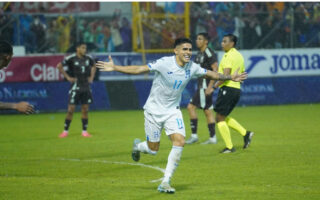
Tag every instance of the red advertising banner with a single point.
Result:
(32, 69)
(54, 7)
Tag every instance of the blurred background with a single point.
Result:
(279, 40)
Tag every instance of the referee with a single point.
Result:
(229, 94)
(203, 96)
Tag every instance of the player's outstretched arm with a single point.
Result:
(23, 107)
(234, 77)
(131, 69)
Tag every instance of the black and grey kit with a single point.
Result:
(79, 68)
(205, 59)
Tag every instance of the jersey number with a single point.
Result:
(177, 84)
(83, 69)
(180, 123)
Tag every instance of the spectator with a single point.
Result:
(6, 27)
(126, 34)
(64, 29)
(115, 34)
(39, 31)
(52, 37)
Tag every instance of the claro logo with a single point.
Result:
(45, 73)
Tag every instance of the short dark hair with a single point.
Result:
(232, 37)
(5, 48)
(205, 35)
(179, 41)
(79, 43)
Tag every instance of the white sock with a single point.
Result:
(143, 147)
(194, 135)
(173, 162)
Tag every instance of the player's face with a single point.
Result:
(82, 49)
(4, 61)
(226, 44)
(183, 53)
(201, 41)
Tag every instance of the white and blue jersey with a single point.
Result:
(169, 83)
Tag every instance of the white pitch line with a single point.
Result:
(120, 163)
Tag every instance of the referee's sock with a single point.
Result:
(225, 133)
(232, 123)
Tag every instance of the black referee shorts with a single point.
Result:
(228, 98)
(79, 97)
(202, 101)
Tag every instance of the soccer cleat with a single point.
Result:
(192, 140)
(86, 134)
(165, 187)
(227, 150)
(135, 152)
(247, 139)
(210, 141)
(63, 134)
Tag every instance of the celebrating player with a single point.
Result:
(6, 53)
(81, 71)
(162, 109)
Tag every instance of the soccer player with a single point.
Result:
(6, 53)
(203, 96)
(229, 94)
(81, 70)
(162, 109)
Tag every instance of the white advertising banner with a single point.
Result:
(281, 62)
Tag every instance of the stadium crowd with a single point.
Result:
(260, 25)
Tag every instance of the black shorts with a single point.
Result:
(201, 100)
(80, 97)
(228, 98)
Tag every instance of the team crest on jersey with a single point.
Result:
(76, 63)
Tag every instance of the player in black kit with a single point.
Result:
(203, 96)
(80, 73)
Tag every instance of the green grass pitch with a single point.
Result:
(281, 163)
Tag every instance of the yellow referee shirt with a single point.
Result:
(234, 60)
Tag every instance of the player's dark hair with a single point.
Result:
(204, 35)
(79, 43)
(232, 38)
(5, 48)
(179, 41)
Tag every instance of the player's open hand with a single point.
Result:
(106, 66)
(239, 77)
(24, 107)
